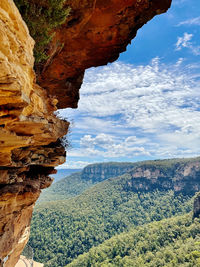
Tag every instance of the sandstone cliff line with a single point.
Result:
(29, 131)
(95, 33)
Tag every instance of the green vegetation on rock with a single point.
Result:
(197, 205)
(78, 182)
(42, 17)
(95, 173)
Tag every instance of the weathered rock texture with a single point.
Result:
(95, 33)
(28, 134)
(197, 206)
(103, 171)
(178, 175)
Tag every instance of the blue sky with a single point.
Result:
(145, 105)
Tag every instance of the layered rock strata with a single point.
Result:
(103, 171)
(29, 134)
(182, 177)
(94, 34)
(179, 175)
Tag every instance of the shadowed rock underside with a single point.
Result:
(94, 34)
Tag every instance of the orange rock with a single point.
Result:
(29, 131)
(94, 34)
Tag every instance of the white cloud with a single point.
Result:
(110, 146)
(190, 22)
(185, 42)
(101, 140)
(179, 2)
(128, 111)
(73, 164)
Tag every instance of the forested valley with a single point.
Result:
(170, 242)
(112, 222)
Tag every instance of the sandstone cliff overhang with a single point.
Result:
(94, 34)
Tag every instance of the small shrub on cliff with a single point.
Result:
(42, 17)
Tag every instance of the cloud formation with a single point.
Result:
(185, 42)
(190, 22)
(73, 164)
(129, 112)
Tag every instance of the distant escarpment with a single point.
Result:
(78, 182)
(180, 175)
(30, 147)
(103, 171)
(149, 191)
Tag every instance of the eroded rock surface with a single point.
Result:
(94, 34)
(29, 131)
(197, 206)
(180, 176)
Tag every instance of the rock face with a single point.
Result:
(95, 33)
(178, 175)
(29, 131)
(102, 171)
(197, 206)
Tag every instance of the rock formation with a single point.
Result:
(103, 171)
(29, 131)
(30, 147)
(178, 175)
(93, 35)
(197, 206)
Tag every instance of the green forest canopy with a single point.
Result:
(62, 230)
(170, 242)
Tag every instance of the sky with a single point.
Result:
(146, 105)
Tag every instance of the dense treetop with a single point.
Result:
(62, 230)
(90, 211)
(170, 242)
